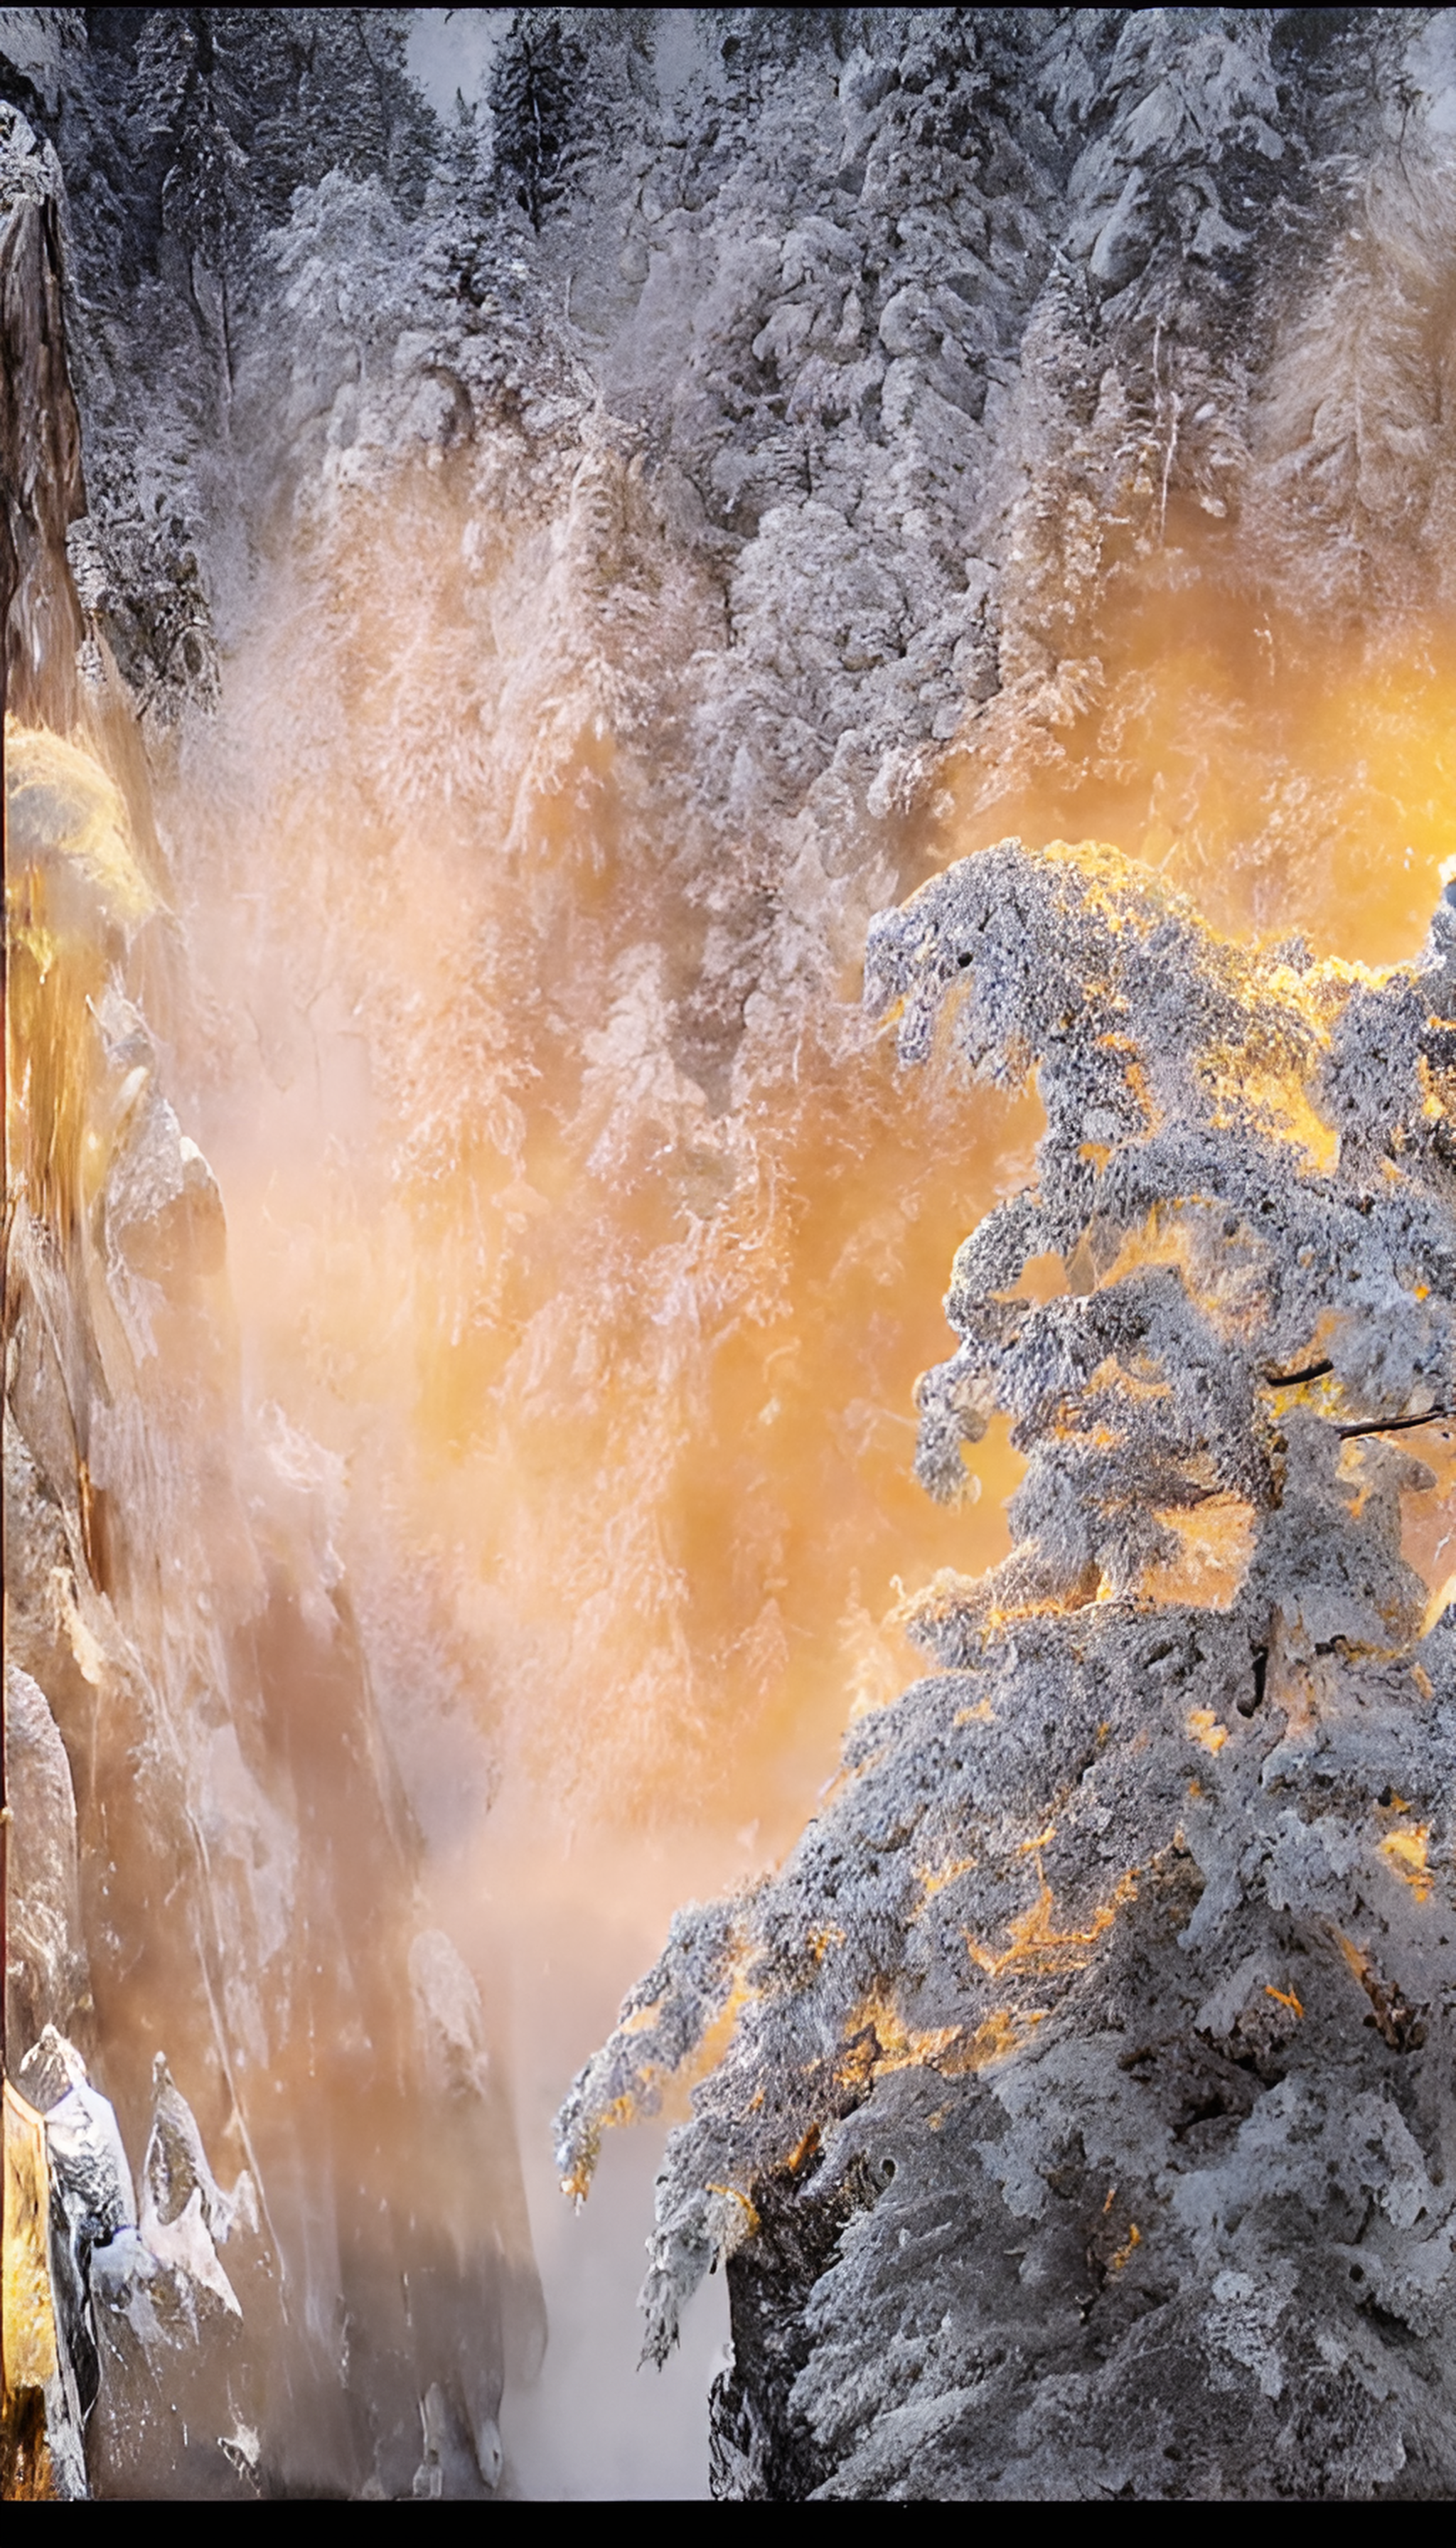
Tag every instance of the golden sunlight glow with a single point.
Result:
(1037, 1946)
(626, 1379)
(1216, 1549)
(623, 1383)
(1287, 777)
(614, 1355)
(1205, 1728)
(1405, 1849)
(878, 2040)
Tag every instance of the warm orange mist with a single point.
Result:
(1428, 1511)
(625, 1385)
(1288, 777)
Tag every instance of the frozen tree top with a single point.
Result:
(1084, 2111)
